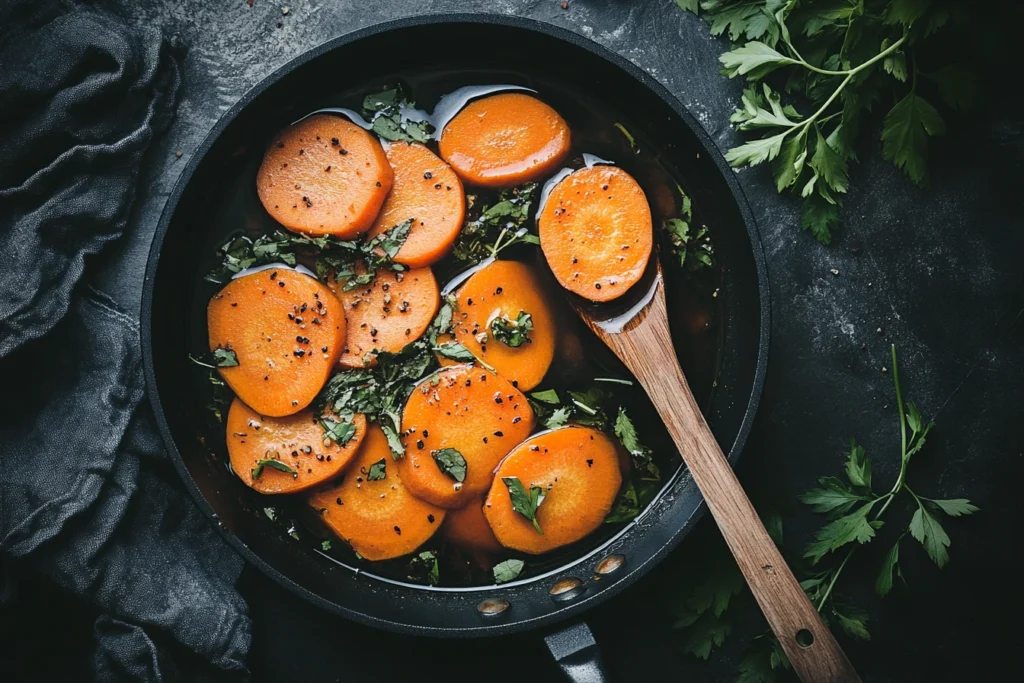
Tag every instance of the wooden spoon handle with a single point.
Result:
(776, 589)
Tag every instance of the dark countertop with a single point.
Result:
(938, 271)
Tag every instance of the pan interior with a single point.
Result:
(216, 198)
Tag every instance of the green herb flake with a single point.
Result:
(274, 463)
(451, 463)
(377, 471)
(225, 358)
(506, 571)
(325, 545)
(392, 118)
(513, 333)
(423, 568)
(525, 502)
(339, 431)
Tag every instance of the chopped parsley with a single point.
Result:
(510, 332)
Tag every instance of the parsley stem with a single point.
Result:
(899, 407)
(849, 72)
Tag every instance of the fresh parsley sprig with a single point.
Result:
(854, 514)
(834, 61)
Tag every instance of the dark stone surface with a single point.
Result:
(938, 271)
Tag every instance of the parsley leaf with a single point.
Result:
(454, 351)
(377, 471)
(558, 418)
(846, 529)
(273, 463)
(508, 570)
(927, 530)
(393, 117)
(225, 358)
(451, 463)
(338, 431)
(547, 396)
(325, 545)
(954, 507)
(513, 333)
(834, 498)
(641, 455)
(496, 227)
(905, 135)
(423, 568)
(525, 502)
(890, 564)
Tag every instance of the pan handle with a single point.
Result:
(576, 651)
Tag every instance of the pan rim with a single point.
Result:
(764, 309)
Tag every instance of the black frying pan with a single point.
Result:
(210, 201)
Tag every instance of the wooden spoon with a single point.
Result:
(640, 337)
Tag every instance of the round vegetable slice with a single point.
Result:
(468, 528)
(575, 469)
(324, 176)
(505, 140)
(394, 309)
(595, 232)
(292, 453)
(277, 334)
(427, 190)
(371, 509)
(503, 319)
(470, 411)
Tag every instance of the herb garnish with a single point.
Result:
(389, 112)
(692, 246)
(506, 571)
(450, 462)
(497, 226)
(854, 512)
(841, 59)
(640, 454)
(274, 463)
(525, 502)
(339, 431)
(325, 545)
(591, 407)
(380, 392)
(225, 358)
(377, 471)
(510, 332)
(241, 253)
(423, 568)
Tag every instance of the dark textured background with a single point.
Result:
(938, 271)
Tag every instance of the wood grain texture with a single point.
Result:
(645, 346)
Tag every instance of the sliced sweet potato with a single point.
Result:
(371, 509)
(324, 176)
(286, 331)
(296, 441)
(427, 190)
(468, 528)
(471, 410)
(504, 140)
(576, 468)
(595, 231)
(493, 299)
(396, 308)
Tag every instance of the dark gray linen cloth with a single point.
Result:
(88, 498)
